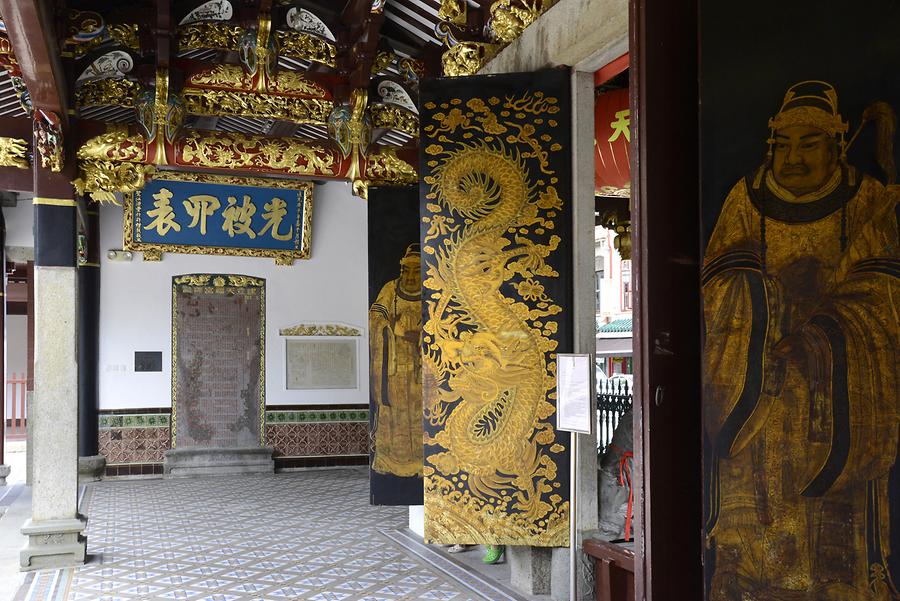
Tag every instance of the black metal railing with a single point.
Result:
(614, 398)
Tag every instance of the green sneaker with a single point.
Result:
(494, 553)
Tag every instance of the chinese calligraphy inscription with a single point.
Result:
(191, 213)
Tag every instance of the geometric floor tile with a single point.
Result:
(295, 536)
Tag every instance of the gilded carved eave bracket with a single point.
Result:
(614, 213)
(121, 160)
(506, 21)
(227, 36)
(391, 116)
(225, 90)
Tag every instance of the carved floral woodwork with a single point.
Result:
(112, 162)
(509, 18)
(203, 35)
(393, 117)
(303, 46)
(120, 92)
(48, 140)
(465, 54)
(262, 106)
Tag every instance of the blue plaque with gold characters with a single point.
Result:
(220, 215)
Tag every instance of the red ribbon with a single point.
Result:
(625, 475)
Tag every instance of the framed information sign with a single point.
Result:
(220, 215)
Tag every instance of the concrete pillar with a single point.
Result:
(584, 331)
(29, 370)
(4, 468)
(55, 529)
(529, 569)
(90, 464)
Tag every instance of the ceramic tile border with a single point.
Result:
(142, 418)
(298, 416)
(135, 420)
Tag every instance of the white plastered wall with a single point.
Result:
(331, 286)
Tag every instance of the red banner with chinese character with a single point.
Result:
(612, 139)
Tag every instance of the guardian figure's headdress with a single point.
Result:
(812, 103)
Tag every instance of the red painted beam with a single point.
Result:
(34, 41)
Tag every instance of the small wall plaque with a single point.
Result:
(147, 360)
(320, 364)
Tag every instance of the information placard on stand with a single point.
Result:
(573, 393)
(573, 414)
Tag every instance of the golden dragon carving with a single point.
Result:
(489, 331)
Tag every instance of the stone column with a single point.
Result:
(584, 323)
(4, 468)
(55, 529)
(90, 463)
(29, 371)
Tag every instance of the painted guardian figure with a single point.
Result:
(801, 303)
(395, 324)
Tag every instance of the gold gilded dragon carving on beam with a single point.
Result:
(224, 150)
(112, 162)
(234, 77)
(248, 104)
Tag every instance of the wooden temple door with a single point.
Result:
(496, 219)
(666, 263)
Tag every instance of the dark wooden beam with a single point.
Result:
(163, 33)
(16, 127)
(16, 180)
(364, 27)
(34, 41)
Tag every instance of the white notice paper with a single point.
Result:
(573, 393)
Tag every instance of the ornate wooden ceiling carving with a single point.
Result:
(330, 84)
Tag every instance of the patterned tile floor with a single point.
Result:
(298, 536)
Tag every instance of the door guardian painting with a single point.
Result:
(395, 356)
(801, 289)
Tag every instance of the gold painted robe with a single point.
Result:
(395, 322)
(801, 304)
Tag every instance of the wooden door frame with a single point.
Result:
(667, 315)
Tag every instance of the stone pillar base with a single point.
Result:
(91, 469)
(218, 461)
(52, 544)
(560, 567)
(529, 569)
(4, 471)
